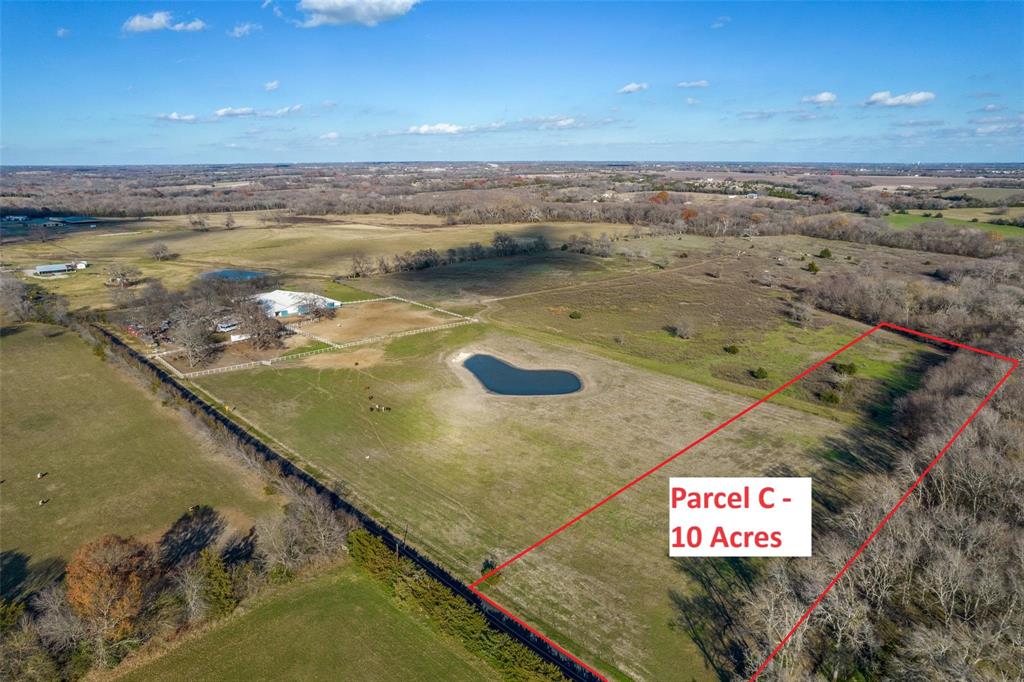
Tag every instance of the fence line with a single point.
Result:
(331, 348)
(257, 447)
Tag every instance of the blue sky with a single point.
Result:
(380, 80)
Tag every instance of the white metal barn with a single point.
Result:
(281, 303)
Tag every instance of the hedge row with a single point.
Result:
(413, 587)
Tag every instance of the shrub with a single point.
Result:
(732, 350)
(575, 315)
(681, 329)
(800, 313)
(218, 588)
(373, 555)
(825, 253)
(451, 614)
(813, 268)
(829, 397)
(759, 373)
(10, 615)
(280, 574)
(847, 368)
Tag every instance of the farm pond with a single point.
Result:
(500, 377)
(234, 274)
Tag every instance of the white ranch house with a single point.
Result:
(281, 303)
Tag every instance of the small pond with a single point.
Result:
(232, 274)
(500, 377)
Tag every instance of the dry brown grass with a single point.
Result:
(378, 318)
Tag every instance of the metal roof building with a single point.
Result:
(281, 303)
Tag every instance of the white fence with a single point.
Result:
(329, 349)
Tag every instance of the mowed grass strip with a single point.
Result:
(115, 460)
(338, 626)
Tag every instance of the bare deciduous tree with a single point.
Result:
(264, 331)
(160, 251)
(123, 275)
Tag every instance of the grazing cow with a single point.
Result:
(40, 474)
(42, 502)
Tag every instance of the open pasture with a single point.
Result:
(375, 318)
(903, 221)
(292, 246)
(351, 630)
(985, 193)
(114, 459)
(635, 319)
(473, 477)
(480, 282)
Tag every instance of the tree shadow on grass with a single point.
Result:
(240, 548)
(708, 614)
(20, 577)
(189, 535)
(717, 588)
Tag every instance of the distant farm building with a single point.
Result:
(59, 268)
(281, 303)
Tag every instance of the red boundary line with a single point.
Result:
(1014, 364)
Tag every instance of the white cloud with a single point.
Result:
(270, 86)
(63, 32)
(721, 22)
(365, 12)
(283, 111)
(328, 104)
(242, 30)
(554, 122)
(693, 84)
(232, 112)
(437, 129)
(992, 107)
(178, 118)
(160, 21)
(909, 99)
(995, 125)
(821, 99)
(243, 112)
(805, 116)
(690, 101)
(630, 88)
(757, 115)
(919, 123)
(330, 136)
(549, 123)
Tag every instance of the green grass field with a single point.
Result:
(338, 626)
(300, 248)
(903, 221)
(985, 193)
(476, 476)
(116, 461)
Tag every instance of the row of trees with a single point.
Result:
(940, 592)
(503, 244)
(414, 588)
